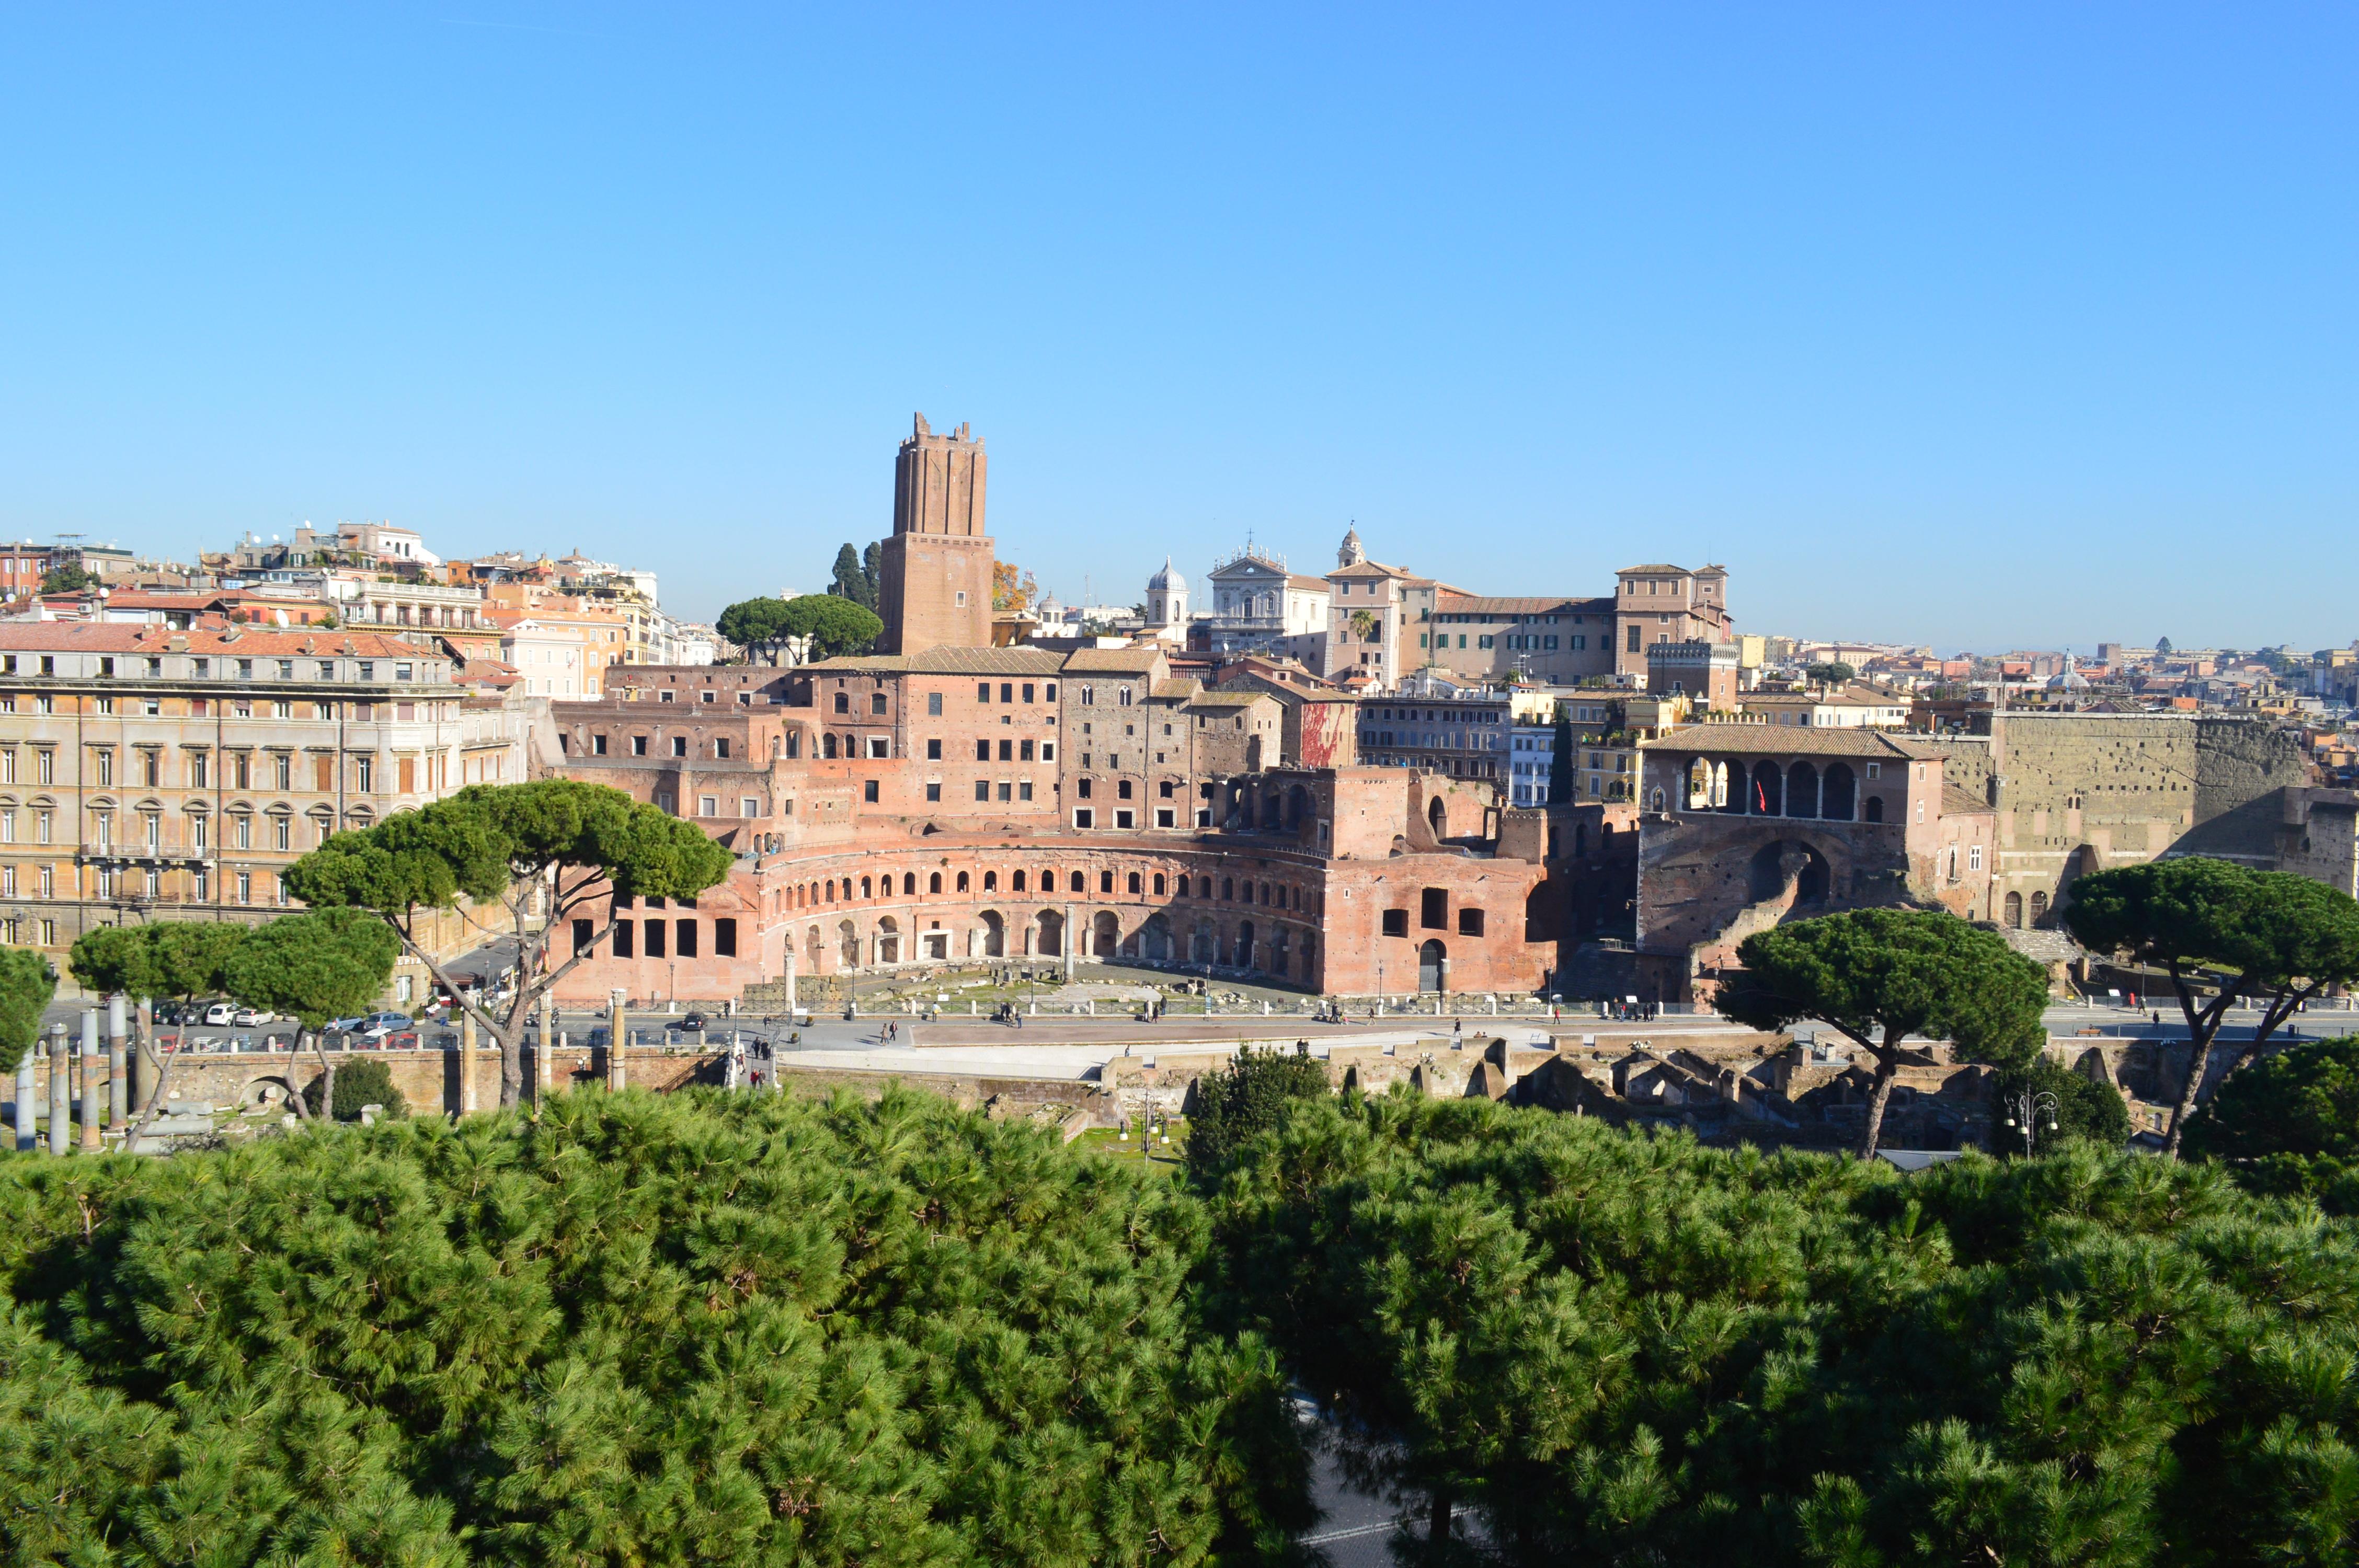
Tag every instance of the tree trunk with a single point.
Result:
(1438, 1513)
(327, 1076)
(511, 1067)
(1887, 1069)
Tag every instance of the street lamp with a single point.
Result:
(2026, 1110)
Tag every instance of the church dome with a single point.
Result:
(2068, 678)
(1167, 580)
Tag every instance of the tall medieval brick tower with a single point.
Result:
(934, 588)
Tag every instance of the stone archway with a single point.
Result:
(1242, 956)
(1437, 817)
(1433, 966)
(1155, 939)
(994, 935)
(1106, 934)
(1052, 934)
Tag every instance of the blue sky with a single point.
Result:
(1982, 325)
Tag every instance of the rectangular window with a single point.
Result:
(982, 691)
(626, 939)
(1024, 789)
(725, 938)
(933, 705)
(1082, 817)
(1004, 792)
(105, 760)
(749, 806)
(200, 830)
(1470, 923)
(1396, 923)
(983, 789)
(365, 768)
(868, 791)
(655, 935)
(933, 751)
(597, 745)
(1973, 856)
(638, 745)
(1163, 816)
(685, 946)
(1023, 752)
(709, 805)
(1027, 691)
(880, 746)
(933, 792)
(1433, 909)
(583, 932)
(1008, 751)
(680, 745)
(1047, 750)
(245, 887)
(983, 751)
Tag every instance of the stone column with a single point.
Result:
(145, 1063)
(544, 1048)
(790, 970)
(118, 1066)
(466, 1063)
(1072, 941)
(616, 1026)
(93, 1075)
(22, 1113)
(61, 1090)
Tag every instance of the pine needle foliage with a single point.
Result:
(1623, 1349)
(638, 1330)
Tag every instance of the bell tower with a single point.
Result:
(934, 582)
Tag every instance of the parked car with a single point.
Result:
(348, 1025)
(251, 1015)
(221, 1013)
(692, 1021)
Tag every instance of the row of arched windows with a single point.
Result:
(1768, 789)
(1137, 884)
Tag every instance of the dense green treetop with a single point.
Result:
(1248, 1096)
(27, 984)
(700, 1329)
(1880, 975)
(485, 838)
(1899, 971)
(324, 963)
(161, 958)
(2279, 938)
(2290, 1123)
(1625, 1348)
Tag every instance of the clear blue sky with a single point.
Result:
(1978, 325)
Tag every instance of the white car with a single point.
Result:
(246, 1015)
(221, 1013)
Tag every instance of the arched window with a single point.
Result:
(1159, 884)
(831, 889)
(2014, 907)
(1075, 883)
(1699, 784)
(1135, 887)
(843, 703)
(962, 881)
(865, 891)
(1801, 790)
(933, 881)
(1841, 790)
(991, 882)
(827, 743)
(1876, 808)
(909, 884)
(2039, 907)
(1105, 881)
(1015, 880)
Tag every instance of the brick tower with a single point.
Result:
(934, 589)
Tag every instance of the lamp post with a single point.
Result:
(2025, 1112)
